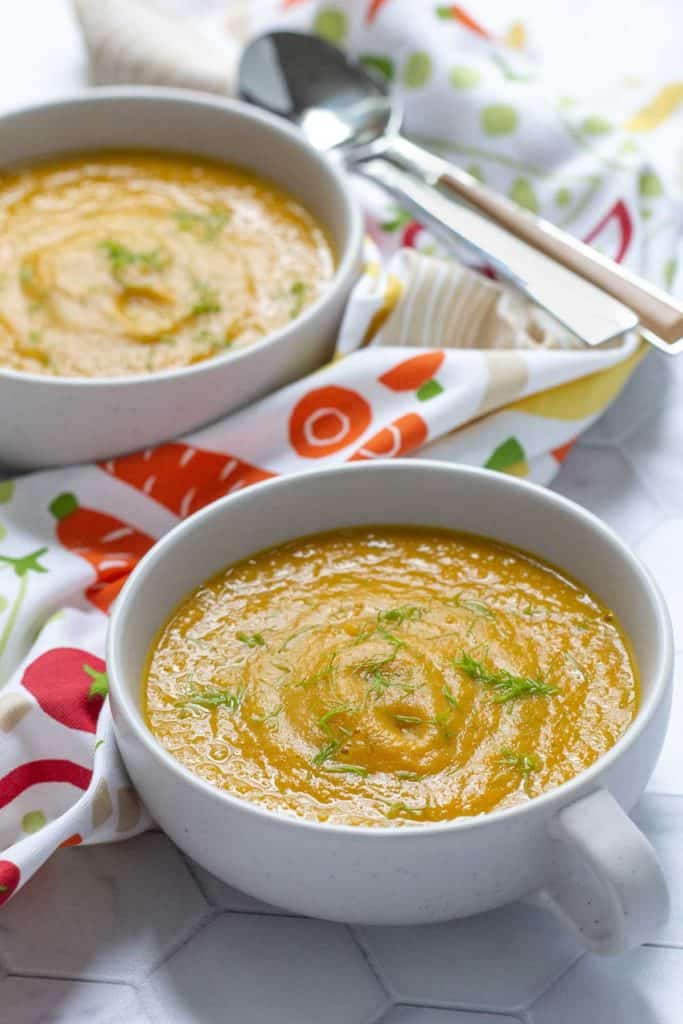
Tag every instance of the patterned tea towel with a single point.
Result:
(436, 359)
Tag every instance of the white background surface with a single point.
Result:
(132, 934)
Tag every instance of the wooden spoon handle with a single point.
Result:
(655, 309)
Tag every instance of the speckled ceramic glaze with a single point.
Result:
(573, 849)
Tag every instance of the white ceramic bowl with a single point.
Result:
(51, 420)
(574, 849)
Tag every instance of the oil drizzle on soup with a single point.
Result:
(390, 675)
(121, 263)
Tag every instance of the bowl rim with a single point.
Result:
(562, 795)
(345, 269)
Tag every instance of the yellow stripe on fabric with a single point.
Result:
(392, 293)
(578, 399)
(665, 103)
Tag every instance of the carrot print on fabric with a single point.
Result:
(454, 12)
(183, 478)
(412, 373)
(402, 436)
(70, 686)
(326, 420)
(561, 453)
(374, 7)
(112, 547)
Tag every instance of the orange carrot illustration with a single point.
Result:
(326, 420)
(373, 10)
(183, 478)
(454, 12)
(402, 436)
(112, 547)
(412, 373)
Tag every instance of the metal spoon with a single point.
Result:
(343, 109)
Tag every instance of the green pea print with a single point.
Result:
(522, 192)
(417, 69)
(378, 65)
(669, 273)
(499, 119)
(6, 491)
(563, 197)
(330, 23)
(650, 184)
(596, 125)
(33, 821)
(477, 171)
(430, 389)
(507, 454)
(463, 77)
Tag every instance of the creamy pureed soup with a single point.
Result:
(390, 675)
(121, 263)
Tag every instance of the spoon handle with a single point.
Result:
(581, 307)
(655, 309)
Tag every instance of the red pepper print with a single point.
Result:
(70, 686)
(619, 215)
(112, 547)
(9, 880)
(183, 478)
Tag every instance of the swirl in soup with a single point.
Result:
(390, 675)
(120, 263)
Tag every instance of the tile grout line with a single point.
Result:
(374, 968)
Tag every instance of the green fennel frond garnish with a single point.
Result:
(350, 769)
(450, 696)
(251, 639)
(327, 751)
(398, 808)
(121, 257)
(317, 677)
(409, 776)
(207, 299)
(411, 719)
(522, 763)
(298, 297)
(478, 607)
(269, 716)
(214, 699)
(324, 720)
(206, 226)
(397, 616)
(506, 685)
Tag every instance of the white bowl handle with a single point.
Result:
(619, 897)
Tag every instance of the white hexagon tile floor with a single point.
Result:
(133, 934)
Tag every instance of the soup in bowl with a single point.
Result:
(167, 257)
(400, 692)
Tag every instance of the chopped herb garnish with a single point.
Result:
(207, 299)
(522, 763)
(450, 696)
(478, 607)
(326, 752)
(298, 295)
(507, 685)
(214, 699)
(207, 226)
(26, 275)
(251, 639)
(351, 769)
(397, 616)
(269, 716)
(409, 776)
(411, 719)
(121, 257)
(396, 809)
(317, 677)
(324, 720)
(212, 340)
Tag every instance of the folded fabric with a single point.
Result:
(435, 360)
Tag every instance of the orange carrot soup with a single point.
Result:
(390, 675)
(121, 263)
